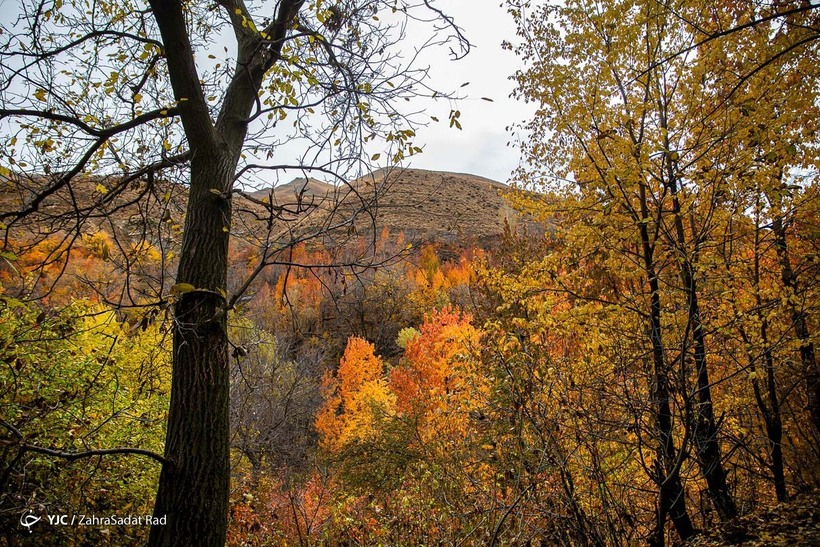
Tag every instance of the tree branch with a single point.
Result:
(193, 108)
(71, 456)
(66, 177)
(721, 34)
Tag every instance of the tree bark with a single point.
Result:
(671, 496)
(771, 412)
(705, 427)
(193, 491)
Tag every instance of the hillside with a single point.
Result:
(451, 208)
(424, 205)
(298, 186)
(439, 205)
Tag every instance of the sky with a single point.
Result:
(480, 148)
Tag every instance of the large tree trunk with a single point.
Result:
(194, 488)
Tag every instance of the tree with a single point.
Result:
(74, 379)
(126, 93)
(401, 446)
(355, 397)
(638, 133)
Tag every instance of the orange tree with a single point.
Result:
(404, 445)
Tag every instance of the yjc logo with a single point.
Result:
(28, 520)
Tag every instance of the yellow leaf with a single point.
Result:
(182, 288)
(40, 94)
(101, 189)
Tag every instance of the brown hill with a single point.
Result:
(424, 205)
(295, 188)
(438, 205)
(452, 208)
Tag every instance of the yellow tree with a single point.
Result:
(72, 380)
(638, 132)
(765, 79)
(769, 89)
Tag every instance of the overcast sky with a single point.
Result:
(481, 147)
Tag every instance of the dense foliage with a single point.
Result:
(76, 379)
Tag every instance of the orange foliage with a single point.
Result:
(437, 378)
(279, 513)
(355, 397)
(425, 373)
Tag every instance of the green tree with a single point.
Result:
(72, 380)
(132, 91)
